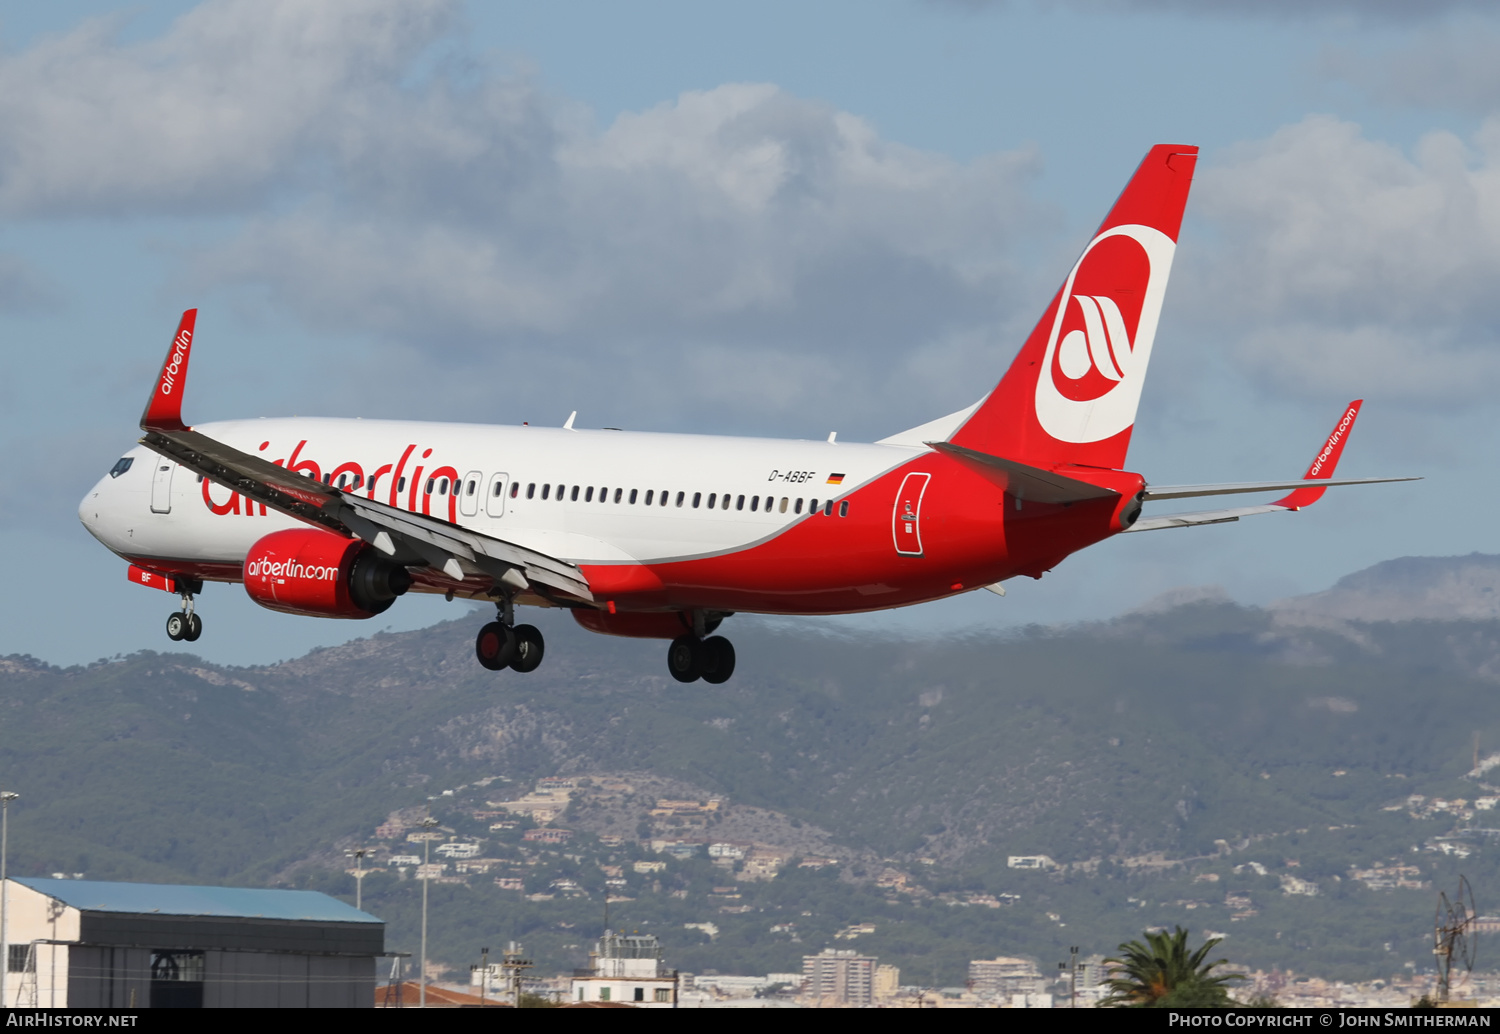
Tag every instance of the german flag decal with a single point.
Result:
(835, 479)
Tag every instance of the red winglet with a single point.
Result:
(164, 411)
(1326, 462)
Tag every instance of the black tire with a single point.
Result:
(685, 658)
(194, 629)
(495, 646)
(529, 649)
(718, 660)
(177, 626)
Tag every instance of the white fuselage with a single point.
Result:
(707, 495)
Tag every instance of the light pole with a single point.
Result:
(427, 825)
(6, 796)
(359, 876)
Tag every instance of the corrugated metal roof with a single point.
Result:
(173, 900)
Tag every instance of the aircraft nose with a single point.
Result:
(90, 507)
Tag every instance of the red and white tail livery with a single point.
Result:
(665, 535)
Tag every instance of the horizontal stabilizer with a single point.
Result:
(1243, 487)
(1022, 481)
(1191, 520)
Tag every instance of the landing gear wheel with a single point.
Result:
(716, 659)
(529, 649)
(685, 658)
(495, 646)
(194, 628)
(177, 626)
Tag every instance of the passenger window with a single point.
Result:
(574, 496)
(604, 495)
(680, 497)
(401, 485)
(712, 496)
(783, 504)
(327, 476)
(739, 502)
(121, 466)
(828, 508)
(663, 499)
(844, 508)
(359, 480)
(531, 491)
(588, 496)
(443, 487)
(618, 492)
(812, 506)
(754, 503)
(472, 486)
(515, 489)
(560, 490)
(795, 509)
(545, 490)
(648, 497)
(632, 497)
(430, 483)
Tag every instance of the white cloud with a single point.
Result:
(1340, 264)
(387, 183)
(237, 98)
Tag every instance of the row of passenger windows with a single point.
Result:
(651, 497)
(353, 482)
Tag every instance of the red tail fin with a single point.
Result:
(1070, 396)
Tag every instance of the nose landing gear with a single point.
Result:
(184, 625)
(503, 644)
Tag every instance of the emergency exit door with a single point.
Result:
(906, 521)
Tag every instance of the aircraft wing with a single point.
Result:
(1306, 491)
(409, 538)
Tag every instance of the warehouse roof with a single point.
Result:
(174, 900)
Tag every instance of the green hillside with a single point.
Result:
(1149, 757)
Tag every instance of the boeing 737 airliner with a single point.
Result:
(666, 535)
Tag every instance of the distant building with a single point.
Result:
(887, 981)
(626, 969)
(458, 850)
(1030, 861)
(839, 977)
(1006, 977)
(547, 836)
(95, 945)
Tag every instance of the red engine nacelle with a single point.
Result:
(319, 574)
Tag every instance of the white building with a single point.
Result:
(458, 850)
(627, 969)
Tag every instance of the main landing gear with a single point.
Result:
(503, 644)
(691, 658)
(184, 625)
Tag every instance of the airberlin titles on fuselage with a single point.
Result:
(449, 486)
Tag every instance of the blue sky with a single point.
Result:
(772, 218)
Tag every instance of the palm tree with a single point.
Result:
(1163, 972)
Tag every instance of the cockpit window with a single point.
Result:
(121, 466)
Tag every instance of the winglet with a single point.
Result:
(164, 410)
(1326, 461)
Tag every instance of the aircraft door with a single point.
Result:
(161, 485)
(494, 496)
(906, 521)
(468, 493)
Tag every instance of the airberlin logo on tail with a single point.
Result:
(1095, 364)
(1335, 443)
(174, 364)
